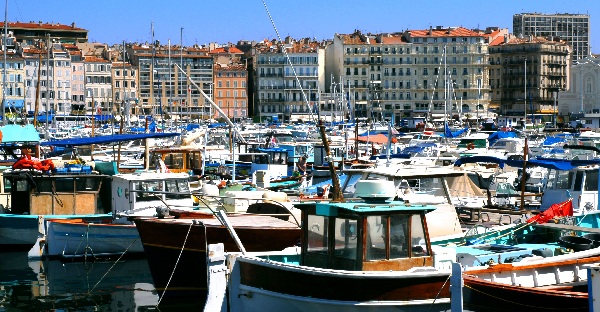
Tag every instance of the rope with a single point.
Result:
(112, 266)
(439, 292)
(176, 263)
(520, 304)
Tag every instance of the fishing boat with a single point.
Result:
(367, 255)
(131, 195)
(176, 248)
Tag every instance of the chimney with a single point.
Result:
(505, 38)
(430, 28)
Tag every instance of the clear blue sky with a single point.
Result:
(204, 21)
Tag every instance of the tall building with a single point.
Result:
(163, 87)
(573, 28)
(289, 76)
(525, 76)
(442, 71)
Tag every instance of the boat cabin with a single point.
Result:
(186, 159)
(138, 194)
(64, 193)
(580, 183)
(365, 236)
(274, 160)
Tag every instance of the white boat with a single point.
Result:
(355, 256)
(131, 195)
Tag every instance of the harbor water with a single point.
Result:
(92, 285)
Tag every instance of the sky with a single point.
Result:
(115, 21)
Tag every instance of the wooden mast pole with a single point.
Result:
(338, 197)
(37, 92)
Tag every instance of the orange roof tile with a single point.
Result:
(446, 32)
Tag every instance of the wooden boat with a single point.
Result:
(355, 256)
(131, 195)
(529, 287)
(176, 248)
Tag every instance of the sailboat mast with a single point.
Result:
(37, 91)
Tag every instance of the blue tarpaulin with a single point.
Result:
(16, 133)
(107, 139)
(500, 135)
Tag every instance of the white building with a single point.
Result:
(583, 95)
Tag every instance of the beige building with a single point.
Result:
(583, 94)
(525, 75)
(400, 75)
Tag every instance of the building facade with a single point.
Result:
(437, 72)
(163, 87)
(230, 91)
(525, 76)
(583, 95)
(288, 78)
(572, 28)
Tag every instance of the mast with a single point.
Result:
(37, 91)
(338, 197)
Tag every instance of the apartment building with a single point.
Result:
(163, 87)
(288, 78)
(230, 90)
(78, 100)
(98, 85)
(572, 28)
(13, 89)
(401, 75)
(526, 74)
(29, 33)
(124, 84)
(61, 84)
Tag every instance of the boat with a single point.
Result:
(176, 247)
(365, 255)
(131, 195)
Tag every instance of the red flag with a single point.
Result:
(557, 210)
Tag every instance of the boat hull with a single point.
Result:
(482, 295)
(21, 232)
(75, 238)
(260, 285)
(176, 248)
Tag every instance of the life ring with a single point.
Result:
(470, 146)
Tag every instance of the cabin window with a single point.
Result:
(578, 180)
(418, 238)
(87, 184)
(317, 234)
(7, 185)
(376, 238)
(177, 189)
(345, 238)
(174, 161)
(559, 180)
(22, 186)
(399, 236)
(591, 180)
(146, 190)
(64, 185)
